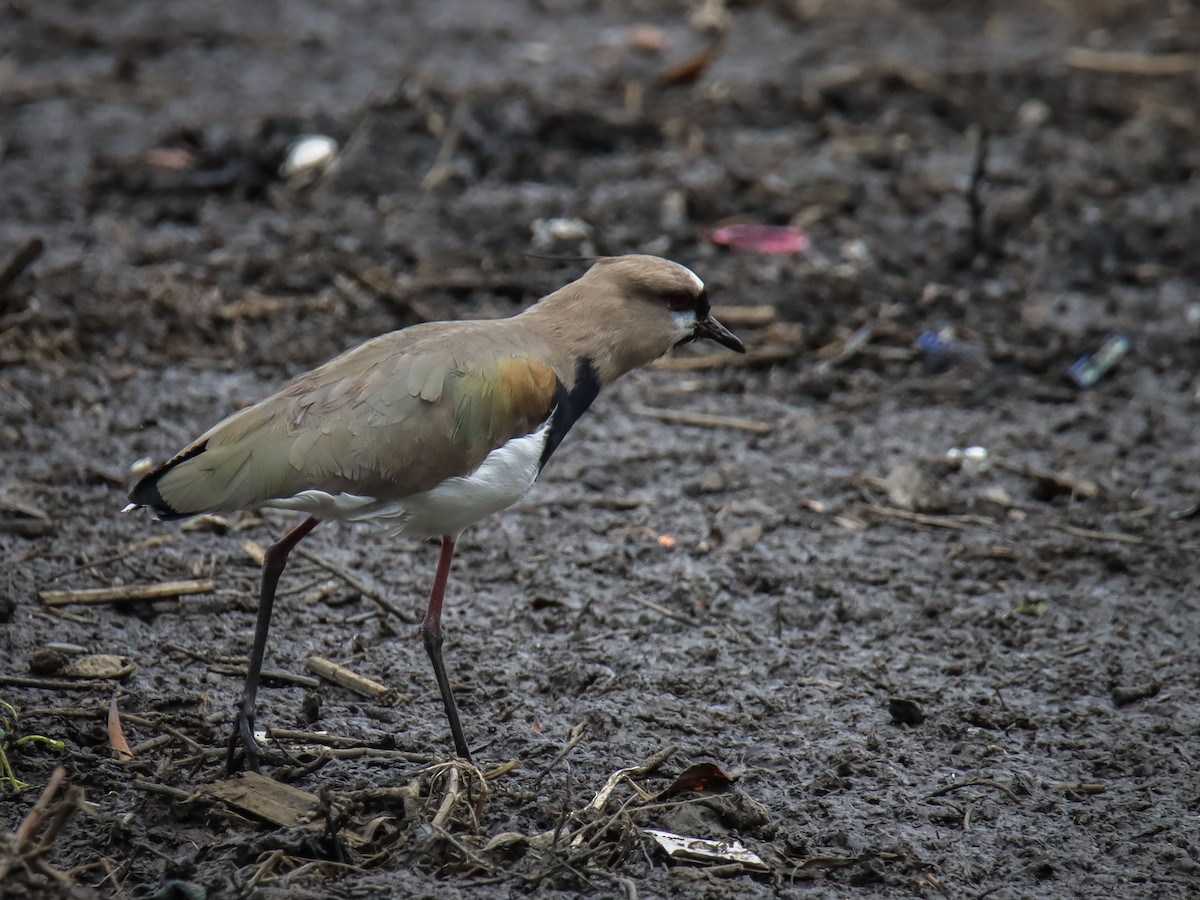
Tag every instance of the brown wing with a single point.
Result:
(393, 417)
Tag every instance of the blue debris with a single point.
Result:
(941, 351)
(1088, 370)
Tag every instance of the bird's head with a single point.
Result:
(659, 304)
(627, 311)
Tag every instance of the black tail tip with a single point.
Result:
(145, 493)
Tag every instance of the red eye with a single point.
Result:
(681, 301)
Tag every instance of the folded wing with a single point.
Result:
(391, 418)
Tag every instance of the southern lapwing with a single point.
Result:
(430, 429)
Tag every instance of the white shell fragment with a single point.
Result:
(308, 155)
(702, 850)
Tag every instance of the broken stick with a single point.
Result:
(20, 261)
(128, 593)
(757, 356)
(702, 420)
(746, 316)
(352, 681)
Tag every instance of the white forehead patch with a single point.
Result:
(695, 277)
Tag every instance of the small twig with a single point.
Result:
(348, 679)
(702, 420)
(1123, 696)
(449, 801)
(936, 883)
(129, 593)
(22, 850)
(401, 298)
(37, 812)
(371, 752)
(264, 868)
(982, 782)
(464, 850)
(643, 768)
(1080, 787)
(835, 354)
(20, 261)
(1131, 63)
(199, 656)
(253, 549)
(669, 613)
(267, 675)
(954, 523)
(572, 501)
(441, 170)
(753, 357)
(974, 191)
(577, 734)
(145, 544)
(1055, 482)
(502, 769)
(51, 684)
(72, 801)
(187, 740)
(745, 316)
(56, 615)
(1091, 535)
(166, 790)
(323, 584)
(360, 586)
(313, 737)
(153, 744)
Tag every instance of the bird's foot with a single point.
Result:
(243, 733)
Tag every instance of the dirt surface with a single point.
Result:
(928, 678)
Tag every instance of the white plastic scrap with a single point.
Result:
(547, 231)
(972, 459)
(701, 850)
(308, 155)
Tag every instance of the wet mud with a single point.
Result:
(928, 606)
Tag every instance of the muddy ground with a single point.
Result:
(929, 679)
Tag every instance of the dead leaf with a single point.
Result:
(705, 777)
(99, 665)
(116, 736)
(506, 840)
(689, 70)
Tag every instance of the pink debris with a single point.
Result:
(762, 238)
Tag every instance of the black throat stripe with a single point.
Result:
(570, 405)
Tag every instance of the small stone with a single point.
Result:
(905, 712)
(46, 661)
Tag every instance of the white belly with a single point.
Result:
(502, 479)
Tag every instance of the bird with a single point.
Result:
(428, 430)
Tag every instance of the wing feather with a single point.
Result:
(392, 418)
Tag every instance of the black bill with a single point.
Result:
(711, 329)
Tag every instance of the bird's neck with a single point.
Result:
(574, 335)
